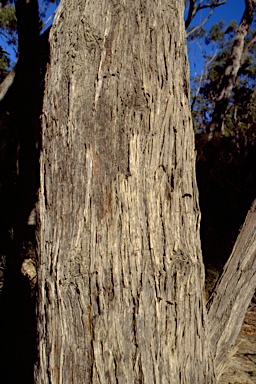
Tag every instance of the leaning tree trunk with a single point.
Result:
(120, 269)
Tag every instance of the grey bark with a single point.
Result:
(232, 295)
(120, 267)
(120, 271)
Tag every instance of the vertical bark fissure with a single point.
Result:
(232, 295)
(122, 231)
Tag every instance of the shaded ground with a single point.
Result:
(242, 366)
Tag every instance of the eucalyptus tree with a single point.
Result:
(119, 263)
(120, 270)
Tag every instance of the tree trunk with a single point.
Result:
(120, 272)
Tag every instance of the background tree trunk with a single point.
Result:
(120, 275)
(19, 182)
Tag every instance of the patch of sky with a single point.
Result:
(197, 49)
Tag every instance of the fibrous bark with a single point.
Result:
(232, 295)
(120, 271)
(120, 268)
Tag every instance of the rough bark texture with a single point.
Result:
(233, 293)
(120, 271)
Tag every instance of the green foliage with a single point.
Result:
(216, 33)
(8, 33)
(8, 17)
(240, 121)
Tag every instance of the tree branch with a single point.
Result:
(247, 48)
(191, 12)
(193, 9)
(200, 25)
(210, 5)
(231, 297)
(202, 77)
(7, 83)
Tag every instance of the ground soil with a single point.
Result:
(242, 362)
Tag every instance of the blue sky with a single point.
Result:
(232, 10)
(49, 14)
